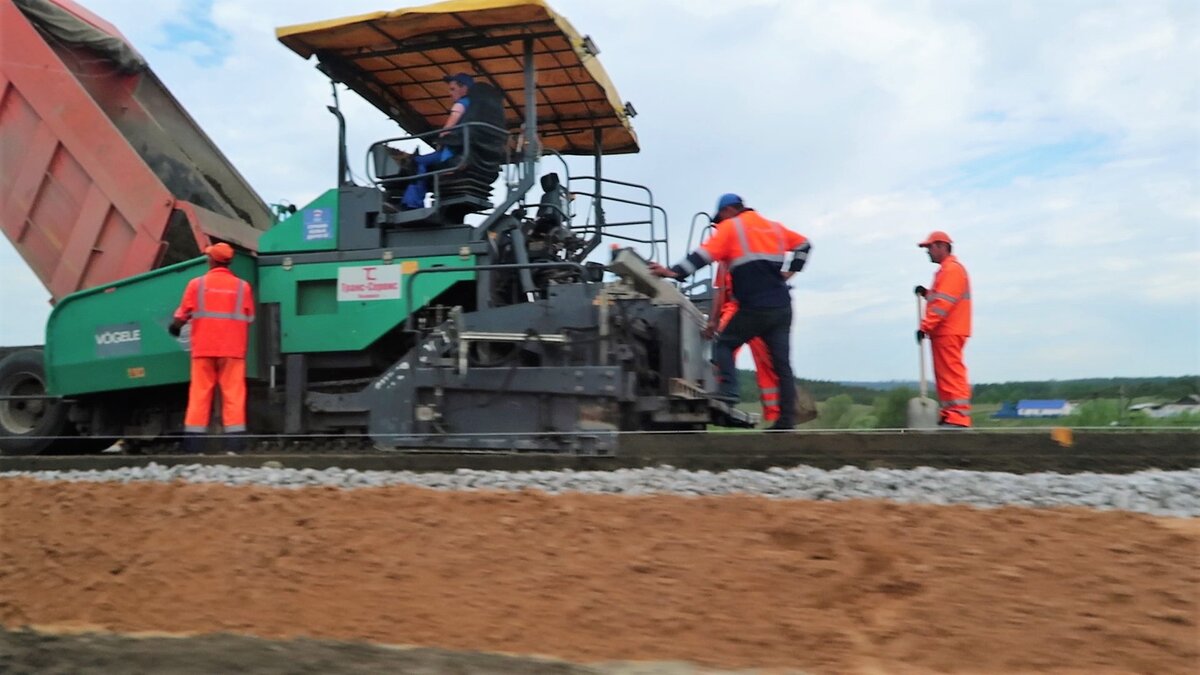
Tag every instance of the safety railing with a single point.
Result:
(702, 288)
(382, 153)
(659, 244)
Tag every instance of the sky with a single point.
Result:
(1057, 142)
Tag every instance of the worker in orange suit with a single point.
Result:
(220, 307)
(764, 372)
(947, 324)
(754, 249)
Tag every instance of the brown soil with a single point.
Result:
(733, 581)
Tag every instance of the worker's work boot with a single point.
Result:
(234, 444)
(193, 444)
(781, 426)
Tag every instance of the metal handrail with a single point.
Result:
(463, 158)
(689, 289)
(692, 228)
(599, 228)
(635, 240)
(559, 156)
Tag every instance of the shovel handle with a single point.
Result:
(921, 351)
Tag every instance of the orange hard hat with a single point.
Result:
(936, 236)
(220, 252)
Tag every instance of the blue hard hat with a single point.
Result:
(461, 78)
(728, 199)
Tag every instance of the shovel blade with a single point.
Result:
(922, 413)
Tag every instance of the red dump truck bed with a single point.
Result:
(103, 175)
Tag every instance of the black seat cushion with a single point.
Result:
(487, 145)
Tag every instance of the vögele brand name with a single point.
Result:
(121, 339)
(119, 336)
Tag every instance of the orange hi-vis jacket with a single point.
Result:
(948, 311)
(220, 307)
(754, 249)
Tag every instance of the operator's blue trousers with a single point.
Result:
(414, 194)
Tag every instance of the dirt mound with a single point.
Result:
(731, 581)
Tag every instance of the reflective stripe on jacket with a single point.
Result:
(948, 311)
(220, 307)
(754, 248)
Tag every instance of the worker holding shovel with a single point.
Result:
(947, 324)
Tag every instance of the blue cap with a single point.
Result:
(461, 78)
(727, 199)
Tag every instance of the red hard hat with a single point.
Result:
(220, 252)
(935, 236)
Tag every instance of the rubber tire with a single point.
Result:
(25, 367)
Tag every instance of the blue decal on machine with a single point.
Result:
(317, 225)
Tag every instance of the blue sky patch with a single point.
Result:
(195, 35)
(991, 116)
(1032, 161)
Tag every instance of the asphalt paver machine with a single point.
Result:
(489, 318)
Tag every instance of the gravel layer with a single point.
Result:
(1167, 493)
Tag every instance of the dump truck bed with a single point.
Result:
(104, 174)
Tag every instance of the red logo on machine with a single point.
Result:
(369, 283)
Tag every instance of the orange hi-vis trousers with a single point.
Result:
(208, 373)
(954, 392)
(768, 381)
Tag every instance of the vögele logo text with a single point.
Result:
(121, 339)
(116, 337)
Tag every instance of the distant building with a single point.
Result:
(1007, 411)
(1044, 408)
(1185, 406)
(1034, 409)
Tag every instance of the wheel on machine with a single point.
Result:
(28, 426)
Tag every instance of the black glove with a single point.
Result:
(921, 291)
(920, 336)
(175, 328)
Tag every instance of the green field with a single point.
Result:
(1101, 402)
(839, 412)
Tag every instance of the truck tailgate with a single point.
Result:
(105, 175)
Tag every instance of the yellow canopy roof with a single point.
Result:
(396, 60)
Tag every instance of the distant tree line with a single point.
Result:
(1164, 388)
(820, 389)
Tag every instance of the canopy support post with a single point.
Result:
(597, 200)
(531, 130)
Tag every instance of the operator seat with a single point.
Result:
(480, 150)
(552, 207)
(485, 155)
